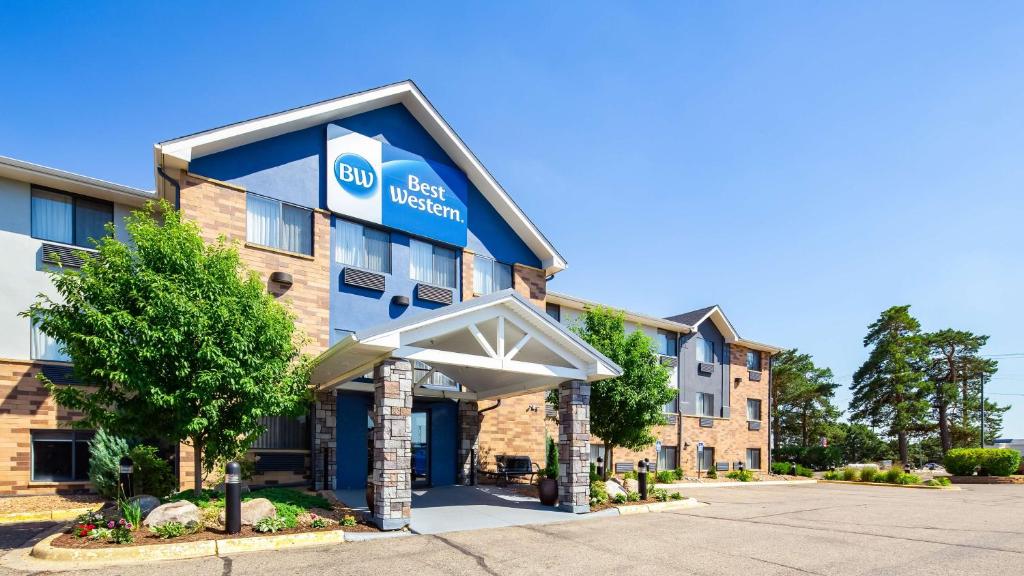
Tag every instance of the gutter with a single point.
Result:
(173, 182)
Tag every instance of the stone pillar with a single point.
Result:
(392, 443)
(469, 439)
(574, 446)
(325, 423)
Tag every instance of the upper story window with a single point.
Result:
(489, 275)
(705, 404)
(279, 225)
(45, 347)
(753, 409)
(361, 246)
(69, 219)
(554, 310)
(667, 343)
(432, 264)
(753, 360)
(705, 350)
(672, 406)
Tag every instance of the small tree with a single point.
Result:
(174, 338)
(551, 459)
(623, 409)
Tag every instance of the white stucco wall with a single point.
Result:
(23, 277)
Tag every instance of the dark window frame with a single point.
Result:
(756, 367)
(549, 306)
(747, 462)
(74, 438)
(698, 405)
(760, 408)
(702, 457)
(671, 338)
(705, 345)
(282, 203)
(74, 214)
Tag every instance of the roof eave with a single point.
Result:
(71, 182)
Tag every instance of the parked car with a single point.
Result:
(933, 466)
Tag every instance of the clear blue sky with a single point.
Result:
(805, 165)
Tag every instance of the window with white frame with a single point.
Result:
(60, 455)
(276, 224)
(705, 350)
(489, 275)
(362, 246)
(46, 347)
(69, 219)
(753, 409)
(668, 458)
(705, 404)
(432, 264)
(672, 406)
(753, 360)
(753, 459)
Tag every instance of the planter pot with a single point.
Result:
(547, 489)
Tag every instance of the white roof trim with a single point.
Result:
(731, 336)
(177, 153)
(577, 303)
(71, 182)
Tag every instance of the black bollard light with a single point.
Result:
(127, 468)
(600, 466)
(641, 479)
(233, 497)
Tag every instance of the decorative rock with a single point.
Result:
(181, 511)
(631, 485)
(613, 489)
(253, 511)
(147, 503)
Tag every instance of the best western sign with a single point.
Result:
(379, 183)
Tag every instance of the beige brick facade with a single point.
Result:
(530, 282)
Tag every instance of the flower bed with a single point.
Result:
(296, 512)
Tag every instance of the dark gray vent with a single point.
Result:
(621, 467)
(705, 368)
(671, 419)
(281, 462)
(720, 466)
(363, 279)
(70, 256)
(707, 423)
(434, 294)
(670, 361)
(753, 425)
(754, 375)
(59, 374)
(550, 411)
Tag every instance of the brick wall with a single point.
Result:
(25, 404)
(729, 436)
(468, 260)
(513, 428)
(530, 282)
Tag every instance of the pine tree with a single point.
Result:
(801, 399)
(953, 353)
(889, 390)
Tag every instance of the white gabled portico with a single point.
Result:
(495, 346)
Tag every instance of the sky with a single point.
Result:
(805, 165)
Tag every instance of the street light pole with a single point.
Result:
(983, 410)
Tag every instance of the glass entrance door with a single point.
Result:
(421, 448)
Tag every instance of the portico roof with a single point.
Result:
(495, 346)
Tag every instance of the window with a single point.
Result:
(45, 347)
(672, 406)
(668, 458)
(753, 459)
(69, 219)
(436, 379)
(554, 310)
(60, 455)
(596, 451)
(667, 343)
(753, 409)
(706, 458)
(705, 404)
(489, 275)
(432, 264)
(362, 247)
(284, 433)
(275, 224)
(705, 351)
(753, 360)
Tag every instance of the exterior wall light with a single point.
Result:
(400, 300)
(282, 278)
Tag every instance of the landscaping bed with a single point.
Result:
(1015, 479)
(893, 476)
(294, 512)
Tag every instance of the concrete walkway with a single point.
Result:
(454, 508)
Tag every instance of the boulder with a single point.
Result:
(631, 485)
(181, 511)
(253, 511)
(613, 488)
(147, 503)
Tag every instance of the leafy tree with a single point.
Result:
(953, 353)
(801, 399)
(889, 390)
(623, 409)
(859, 443)
(174, 339)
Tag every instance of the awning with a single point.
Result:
(495, 346)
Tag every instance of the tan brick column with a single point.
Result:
(574, 446)
(392, 443)
(469, 439)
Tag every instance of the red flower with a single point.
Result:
(84, 529)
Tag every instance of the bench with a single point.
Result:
(509, 468)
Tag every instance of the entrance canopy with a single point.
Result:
(495, 346)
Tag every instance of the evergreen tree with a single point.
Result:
(889, 389)
(801, 399)
(950, 350)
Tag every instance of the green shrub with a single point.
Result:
(619, 498)
(665, 477)
(832, 475)
(987, 461)
(1000, 461)
(174, 529)
(868, 473)
(269, 524)
(594, 477)
(659, 494)
(551, 461)
(804, 471)
(675, 496)
(678, 473)
(908, 479)
(892, 475)
(131, 512)
(348, 520)
(121, 535)
(741, 475)
(851, 474)
(939, 481)
(633, 496)
(598, 492)
(631, 475)
(781, 467)
(713, 471)
(105, 452)
(153, 474)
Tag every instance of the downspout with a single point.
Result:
(173, 182)
(480, 412)
(770, 405)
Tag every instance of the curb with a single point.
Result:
(688, 485)
(657, 507)
(44, 550)
(56, 515)
(887, 485)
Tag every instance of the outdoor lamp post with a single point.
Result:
(600, 466)
(641, 479)
(233, 497)
(127, 468)
(739, 465)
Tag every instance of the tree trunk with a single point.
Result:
(803, 427)
(904, 447)
(607, 460)
(944, 436)
(197, 446)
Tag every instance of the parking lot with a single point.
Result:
(810, 529)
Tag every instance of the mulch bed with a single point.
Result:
(144, 537)
(610, 504)
(16, 504)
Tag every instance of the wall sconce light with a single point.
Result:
(282, 278)
(736, 381)
(533, 408)
(400, 300)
